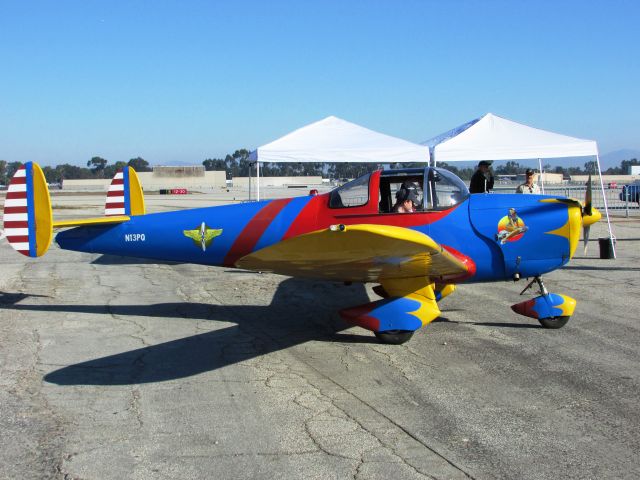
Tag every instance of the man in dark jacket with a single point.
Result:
(482, 180)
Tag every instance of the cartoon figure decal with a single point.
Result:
(203, 236)
(510, 228)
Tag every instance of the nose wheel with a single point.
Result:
(550, 309)
(554, 322)
(394, 337)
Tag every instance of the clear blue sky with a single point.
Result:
(189, 80)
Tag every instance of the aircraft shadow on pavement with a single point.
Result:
(296, 315)
(586, 267)
(508, 325)
(443, 319)
(119, 260)
(7, 298)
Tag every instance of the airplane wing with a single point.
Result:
(364, 253)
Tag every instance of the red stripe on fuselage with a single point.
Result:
(250, 235)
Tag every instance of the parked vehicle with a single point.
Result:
(631, 193)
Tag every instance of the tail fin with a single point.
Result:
(28, 220)
(125, 195)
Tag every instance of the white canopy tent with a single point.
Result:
(335, 140)
(491, 137)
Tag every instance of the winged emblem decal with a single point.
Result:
(202, 236)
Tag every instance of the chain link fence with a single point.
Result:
(616, 201)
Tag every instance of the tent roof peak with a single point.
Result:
(492, 137)
(333, 139)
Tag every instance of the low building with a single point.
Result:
(290, 182)
(162, 177)
(193, 178)
(606, 179)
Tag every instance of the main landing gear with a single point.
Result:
(550, 309)
(407, 305)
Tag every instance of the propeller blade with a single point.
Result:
(585, 236)
(587, 199)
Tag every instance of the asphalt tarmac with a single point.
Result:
(115, 368)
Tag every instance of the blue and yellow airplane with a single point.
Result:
(351, 234)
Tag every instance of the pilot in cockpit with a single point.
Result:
(406, 198)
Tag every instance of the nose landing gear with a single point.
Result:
(552, 310)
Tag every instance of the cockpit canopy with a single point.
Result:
(434, 189)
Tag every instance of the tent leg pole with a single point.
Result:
(258, 180)
(541, 175)
(606, 209)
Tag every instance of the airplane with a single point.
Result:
(350, 234)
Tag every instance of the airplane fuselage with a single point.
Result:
(471, 228)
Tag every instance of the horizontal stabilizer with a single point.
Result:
(90, 221)
(28, 220)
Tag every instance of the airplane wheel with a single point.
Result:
(554, 322)
(394, 337)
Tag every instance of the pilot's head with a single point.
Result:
(407, 186)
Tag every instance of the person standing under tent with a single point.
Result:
(529, 186)
(482, 179)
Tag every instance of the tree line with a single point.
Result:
(238, 164)
(97, 167)
(514, 168)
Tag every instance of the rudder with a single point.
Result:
(125, 196)
(27, 218)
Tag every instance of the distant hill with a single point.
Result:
(613, 159)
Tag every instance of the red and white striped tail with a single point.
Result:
(125, 196)
(116, 202)
(16, 213)
(27, 217)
